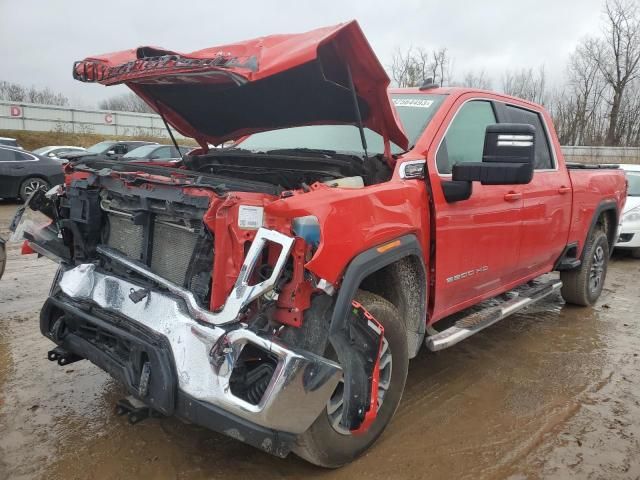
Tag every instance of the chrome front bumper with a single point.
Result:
(205, 355)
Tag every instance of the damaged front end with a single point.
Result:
(192, 284)
(135, 294)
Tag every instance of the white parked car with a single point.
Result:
(53, 151)
(630, 229)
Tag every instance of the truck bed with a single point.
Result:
(594, 187)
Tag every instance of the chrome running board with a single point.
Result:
(479, 320)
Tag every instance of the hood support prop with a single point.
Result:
(166, 125)
(356, 109)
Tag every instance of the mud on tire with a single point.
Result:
(321, 444)
(583, 285)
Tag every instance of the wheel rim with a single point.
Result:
(34, 185)
(335, 405)
(597, 269)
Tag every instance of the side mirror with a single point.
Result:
(111, 152)
(507, 159)
(51, 155)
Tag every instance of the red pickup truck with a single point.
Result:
(275, 290)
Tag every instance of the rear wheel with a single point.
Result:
(583, 285)
(32, 184)
(635, 253)
(326, 443)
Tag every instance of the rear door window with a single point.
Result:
(7, 155)
(20, 156)
(543, 153)
(464, 140)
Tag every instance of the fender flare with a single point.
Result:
(363, 265)
(603, 206)
(356, 381)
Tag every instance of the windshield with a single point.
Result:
(634, 184)
(415, 111)
(102, 147)
(140, 151)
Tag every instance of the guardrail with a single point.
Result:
(602, 154)
(48, 118)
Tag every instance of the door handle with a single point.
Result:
(562, 190)
(512, 196)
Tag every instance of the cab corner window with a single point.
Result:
(464, 140)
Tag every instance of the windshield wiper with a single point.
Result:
(284, 151)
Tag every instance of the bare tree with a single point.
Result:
(580, 108)
(476, 80)
(411, 67)
(46, 96)
(526, 83)
(14, 92)
(617, 56)
(126, 102)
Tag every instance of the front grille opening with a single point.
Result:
(104, 340)
(252, 374)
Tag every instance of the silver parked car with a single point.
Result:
(53, 151)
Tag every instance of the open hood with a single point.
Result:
(227, 92)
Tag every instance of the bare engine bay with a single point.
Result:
(290, 169)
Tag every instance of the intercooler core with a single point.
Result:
(168, 248)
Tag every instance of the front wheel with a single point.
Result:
(32, 184)
(635, 253)
(583, 285)
(326, 443)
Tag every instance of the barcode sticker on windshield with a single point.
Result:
(250, 217)
(412, 102)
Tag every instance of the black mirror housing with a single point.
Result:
(509, 143)
(507, 159)
(494, 174)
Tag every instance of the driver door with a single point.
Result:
(478, 239)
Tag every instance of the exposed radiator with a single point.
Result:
(172, 247)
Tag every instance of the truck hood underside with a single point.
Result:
(227, 92)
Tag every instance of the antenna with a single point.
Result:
(428, 84)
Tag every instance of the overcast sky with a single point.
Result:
(40, 39)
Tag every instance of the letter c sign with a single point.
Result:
(108, 118)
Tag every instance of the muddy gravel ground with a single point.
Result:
(550, 393)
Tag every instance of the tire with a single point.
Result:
(32, 183)
(583, 285)
(322, 444)
(635, 253)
